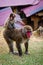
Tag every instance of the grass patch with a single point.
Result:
(35, 57)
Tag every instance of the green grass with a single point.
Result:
(35, 57)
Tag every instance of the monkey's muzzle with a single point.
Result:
(28, 33)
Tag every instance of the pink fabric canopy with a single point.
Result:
(4, 3)
(4, 13)
(33, 9)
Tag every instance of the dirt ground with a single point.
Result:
(4, 46)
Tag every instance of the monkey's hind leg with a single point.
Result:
(9, 42)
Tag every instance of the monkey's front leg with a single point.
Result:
(26, 47)
(18, 45)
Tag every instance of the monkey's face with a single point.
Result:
(12, 16)
(28, 33)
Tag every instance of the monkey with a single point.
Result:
(19, 35)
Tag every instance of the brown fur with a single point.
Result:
(12, 34)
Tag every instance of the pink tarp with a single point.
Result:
(4, 3)
(33, 9)
(4, 13)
